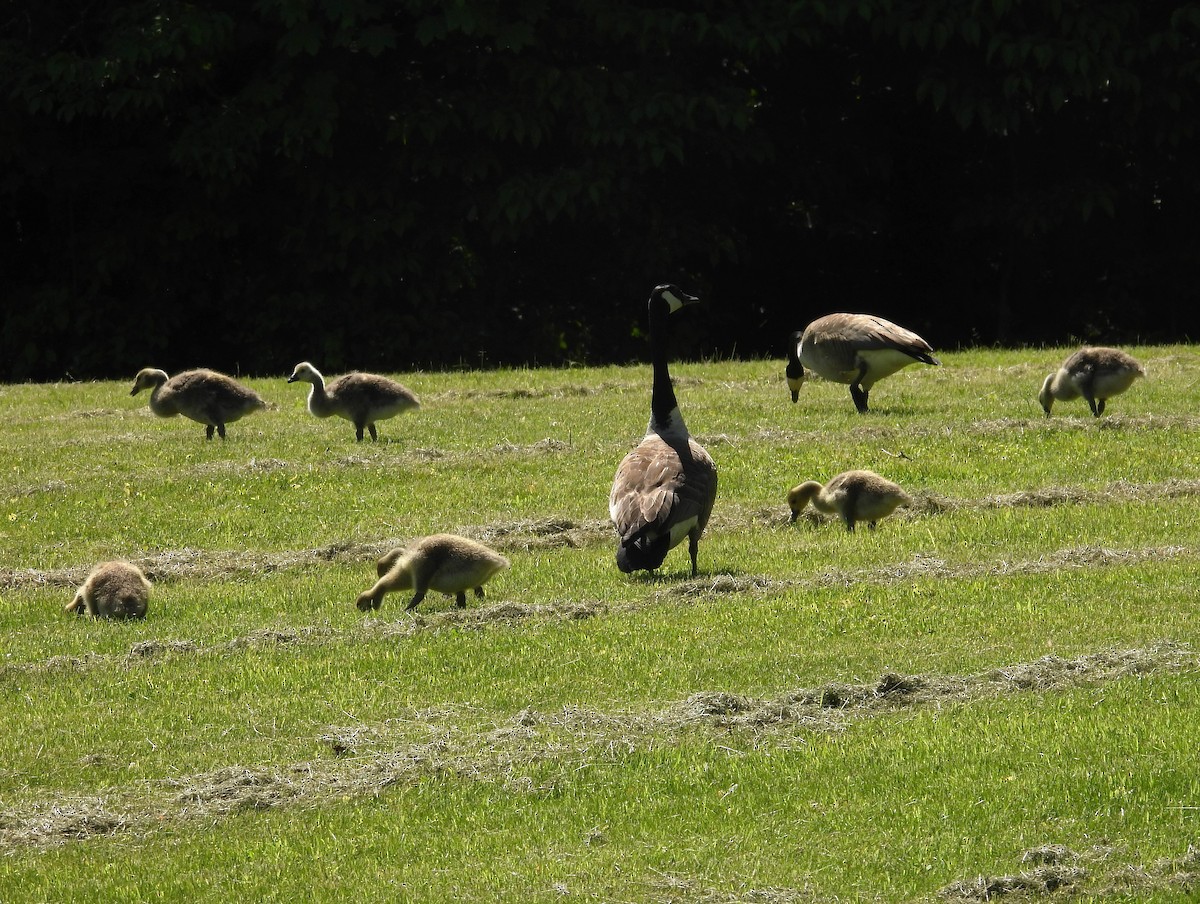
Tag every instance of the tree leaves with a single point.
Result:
(449, 162)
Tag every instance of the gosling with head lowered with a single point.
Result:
(362, 399)
(1096, 373)
(852, 495)
(859, 349)
(446, 563)
(204, 396)
(116, 590)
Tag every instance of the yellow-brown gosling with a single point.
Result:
(112, 590)
(858, 349)
(204, 396)
(362, 399)
(664, 489)
(852, 495)
(446, 563)
(1096, 373)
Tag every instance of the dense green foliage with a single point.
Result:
(429, 183)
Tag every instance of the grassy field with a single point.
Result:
(995, 692)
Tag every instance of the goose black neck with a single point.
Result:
(662, 393)
(794, 368)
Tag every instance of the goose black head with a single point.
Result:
(674, 297)
(795, 370)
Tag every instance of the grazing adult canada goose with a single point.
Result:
(204, 396)
(853, 495)
(665, 488)
(1095, 373)
(446, 563)
(362, 399)
(112, 590)
(859, 349)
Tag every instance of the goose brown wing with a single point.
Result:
(655, 487)
(880, 333)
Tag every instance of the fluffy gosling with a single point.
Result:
(204, 396)
(853, 495)
(113, 590)
(362, 399)
(1095, 373)
(446, 563)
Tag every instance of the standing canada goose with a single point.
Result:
(665, 488)
(112, 590)
(361, 399)
(859, 349)
(854, 495)
(1095, 373)
(446, 563)
(204, 396)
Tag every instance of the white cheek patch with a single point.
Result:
(673, 300)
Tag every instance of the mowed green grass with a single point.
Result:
(258, 736)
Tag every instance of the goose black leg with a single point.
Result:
(860, 398)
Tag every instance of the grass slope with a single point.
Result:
(994, 693)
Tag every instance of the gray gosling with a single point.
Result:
(112, 590)
(446, 563)
(859, 349)
(1095, 373)
(664, 489)
(853, 495)
(204, 396)
(362, 399)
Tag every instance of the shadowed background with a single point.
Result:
(426, 185)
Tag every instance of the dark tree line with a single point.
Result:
(417, 183)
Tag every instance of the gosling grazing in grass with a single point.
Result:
(853, 495)
(664, 489)
(446, 563)
(1095, 373)
(859, 349)
(112, 590)
(204, 396)
(362, 399)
